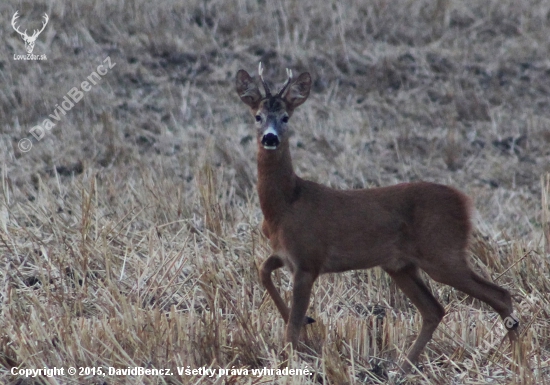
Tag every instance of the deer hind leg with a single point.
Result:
(409, 281)
(466, 280)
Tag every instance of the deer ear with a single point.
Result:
(247, 89)
(298, 91)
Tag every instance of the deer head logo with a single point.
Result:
(29, 40)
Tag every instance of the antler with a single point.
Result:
(266, 87)
(260, 73)
(24, 34)
(15, 17)
(44, 23)
(282, 91)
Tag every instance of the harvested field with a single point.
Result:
(130, 228)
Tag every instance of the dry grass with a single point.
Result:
(129, 234)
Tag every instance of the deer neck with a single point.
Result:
(276, 181)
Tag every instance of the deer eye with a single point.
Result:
(258, 118)
(285, 119)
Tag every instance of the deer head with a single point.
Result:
(272, 112)
(29, 40)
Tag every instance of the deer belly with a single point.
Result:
(341, 259)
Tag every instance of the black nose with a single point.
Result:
(270, 140)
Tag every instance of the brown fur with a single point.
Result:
(314, 229)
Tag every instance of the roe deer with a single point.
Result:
(314, 229)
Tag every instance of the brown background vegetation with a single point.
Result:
(129, 234)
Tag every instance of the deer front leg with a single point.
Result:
(274, 262)
(303, 283)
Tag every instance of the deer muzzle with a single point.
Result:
(270, 139)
